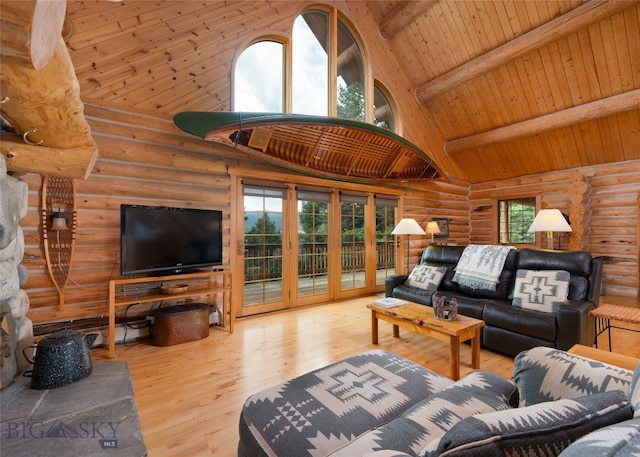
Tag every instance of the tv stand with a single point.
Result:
(216, 284)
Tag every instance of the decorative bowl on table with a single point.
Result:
(445, 310)
(174, 289)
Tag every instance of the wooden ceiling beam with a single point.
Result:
(589, 111)
(30, 30)
(576, 19)
(401, 16)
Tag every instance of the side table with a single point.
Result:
(606, 313)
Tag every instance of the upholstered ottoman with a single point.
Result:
(322, 411)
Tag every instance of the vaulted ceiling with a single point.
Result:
(489, 89)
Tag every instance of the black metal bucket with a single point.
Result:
(62, 358)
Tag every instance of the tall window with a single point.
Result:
(259, 78)
(313, 237)
(515, 218)
(351, 86)
(310, 66)
(263, 209)
(385, 241)
(382, 111)
(352, 237)
(327, 73)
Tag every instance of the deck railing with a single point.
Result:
(264, 262)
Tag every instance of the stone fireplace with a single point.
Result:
(15, 327)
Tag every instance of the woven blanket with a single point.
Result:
(480, 266)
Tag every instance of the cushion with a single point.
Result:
(479, 392)
(544, 429)
(634, 392)
(323, 410)
(618, 440)
(541, 290)
(426, 277)
(546, 374)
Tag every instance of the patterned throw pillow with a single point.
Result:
(544, 429)
(546, 374)
(541, 290)
(426, 277)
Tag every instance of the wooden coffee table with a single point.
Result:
(420, 319)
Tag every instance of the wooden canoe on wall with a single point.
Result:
(322, 146)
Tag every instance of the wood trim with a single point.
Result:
(611, 358)
(401, 16)
(616, 104)
(552, 31)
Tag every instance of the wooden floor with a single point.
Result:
(189, 396)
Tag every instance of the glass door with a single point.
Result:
(313, 245)
(263, 259)
(352, 243)
(385, 241)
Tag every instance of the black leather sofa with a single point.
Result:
(509, 329)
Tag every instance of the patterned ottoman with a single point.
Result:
(322, 411)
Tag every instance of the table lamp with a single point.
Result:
(549, 220)
(433, 228)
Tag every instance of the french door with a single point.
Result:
(305, 245)
(264, 250)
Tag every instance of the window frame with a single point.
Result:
(496, 218)
(286, 70)
(369, 82)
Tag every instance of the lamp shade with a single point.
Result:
(408, 226)
(433, 227)
(549, 220)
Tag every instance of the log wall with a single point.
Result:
(139, 163)
(144, 160)
(148, 161)
(602, 204)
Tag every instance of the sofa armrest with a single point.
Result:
(575, 326)
(391, 282)
(595, 280)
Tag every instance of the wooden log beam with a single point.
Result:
(401, 16)
(48, 100)
(595, 110)
(71, 163)
(30, 30)
(577, 19)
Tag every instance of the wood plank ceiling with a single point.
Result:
(497, 89)
(543, 85)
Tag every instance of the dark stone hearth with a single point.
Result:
(95, 416)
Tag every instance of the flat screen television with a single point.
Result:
(159, 239)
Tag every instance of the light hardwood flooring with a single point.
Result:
(189, 396)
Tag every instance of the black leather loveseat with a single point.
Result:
(511, 329)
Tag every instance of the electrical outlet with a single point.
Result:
(150, 321)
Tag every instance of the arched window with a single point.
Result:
(259, 78)
(310, 63)
(328, 67)
(382, 110)
(327, 74)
